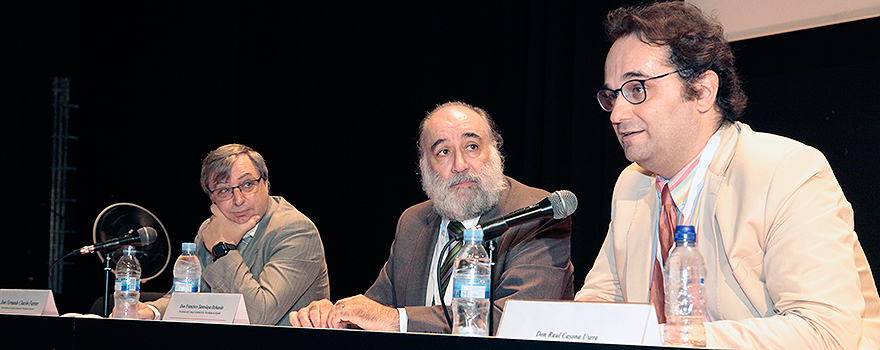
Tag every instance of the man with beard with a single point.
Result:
(462, 174)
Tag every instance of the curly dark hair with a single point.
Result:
(696, 45)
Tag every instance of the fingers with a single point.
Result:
(216, 210)
(357, 310)
(316, 315)
(313, 315)
(364, 313)
(225, 223)
(335, 316)
(221, 229)
(251, 223)
(145, 312)
(321, 314)
(300, 318)
(293, 318)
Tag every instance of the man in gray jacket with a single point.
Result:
(255, 244)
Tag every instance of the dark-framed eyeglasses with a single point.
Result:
(633, 91)
(225, 193)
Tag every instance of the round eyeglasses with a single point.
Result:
(633, 91)
(225, 193)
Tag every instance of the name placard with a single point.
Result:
(27, 302)
(589, 322)
(207, 308)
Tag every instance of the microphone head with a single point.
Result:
(564, 203)
(148, 235)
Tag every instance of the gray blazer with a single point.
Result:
(282, 269)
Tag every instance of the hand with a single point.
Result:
(365, 313)
(591, 299)
(313, 315)
(144, 312)
(221, 229)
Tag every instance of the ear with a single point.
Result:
(707, 89)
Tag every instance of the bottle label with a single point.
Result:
(186, 285)
(470, 288)
(128, 284)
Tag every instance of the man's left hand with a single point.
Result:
(221, 229)
(365, 313)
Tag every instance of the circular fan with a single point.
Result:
(118, 220)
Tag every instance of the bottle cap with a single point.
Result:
(685, 233)
(129, 249)
(188, 247)
(473, 234)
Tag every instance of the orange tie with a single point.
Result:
(668, 222)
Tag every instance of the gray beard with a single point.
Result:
(459, 204)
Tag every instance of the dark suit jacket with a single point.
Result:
(533, 261)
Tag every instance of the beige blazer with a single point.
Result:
(785, 269)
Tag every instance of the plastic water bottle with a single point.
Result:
(187, 270)
(685, 284)
(470, 287)
(128, 285)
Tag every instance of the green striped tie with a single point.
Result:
(454, 229)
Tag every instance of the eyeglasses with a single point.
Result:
(225, 193)
(633, 91)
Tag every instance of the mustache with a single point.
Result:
(461, 177)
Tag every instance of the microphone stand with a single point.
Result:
(107, 259)
(440, 288)
(490, 321)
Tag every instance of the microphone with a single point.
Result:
(560, 204)
(143, 236)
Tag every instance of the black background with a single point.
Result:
(331, 94)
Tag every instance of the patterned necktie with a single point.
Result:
(454, 229)
(244, 242)
(668, 221)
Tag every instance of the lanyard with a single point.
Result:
(699, 175)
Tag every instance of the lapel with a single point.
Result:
(640, 256)
(709, 243)
(725, 224)
(420, 266)
(249, 254)
(712, 227)
(716, 226)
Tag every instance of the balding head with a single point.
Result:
(461, 165)
(461, 107)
